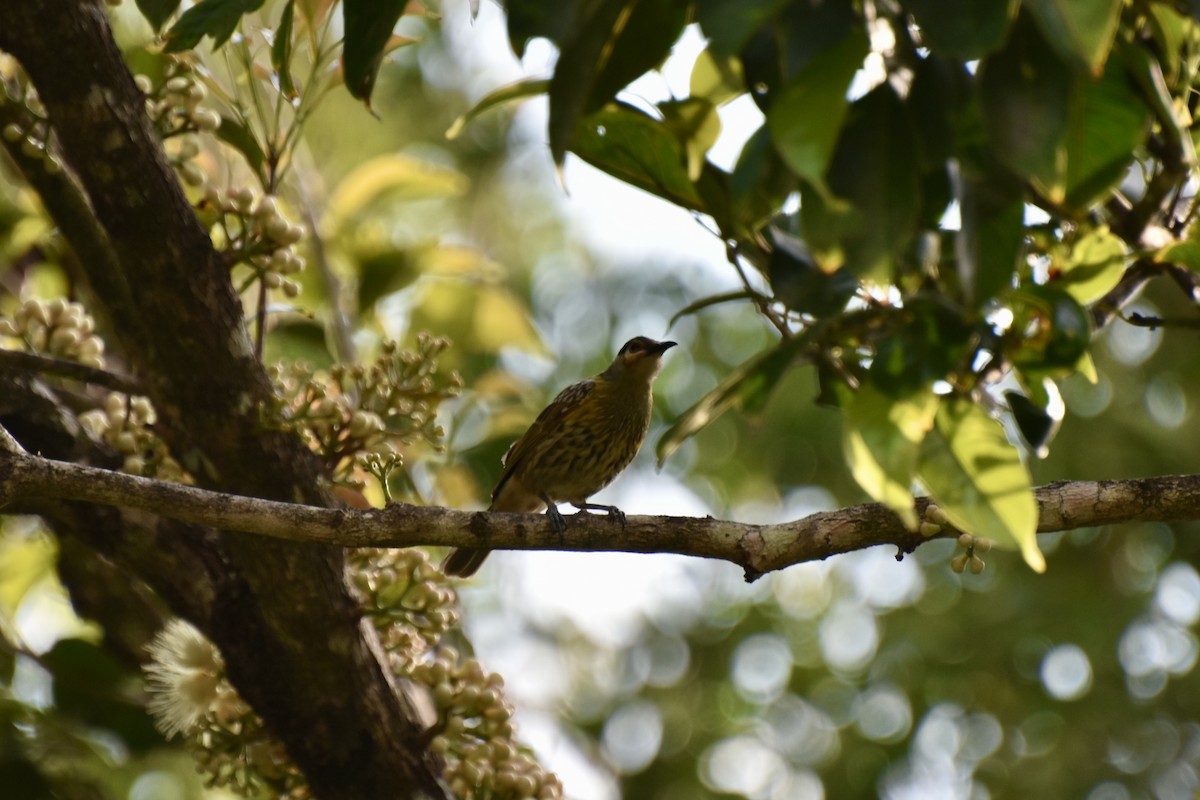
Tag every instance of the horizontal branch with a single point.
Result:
(758, 549)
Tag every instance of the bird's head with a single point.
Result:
(640, 357)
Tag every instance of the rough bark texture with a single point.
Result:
(280, 612)
(758, 549)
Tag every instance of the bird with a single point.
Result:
(578, 444)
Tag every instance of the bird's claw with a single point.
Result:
(557, 523)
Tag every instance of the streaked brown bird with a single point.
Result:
(577, 445)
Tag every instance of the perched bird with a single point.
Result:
(577, 445)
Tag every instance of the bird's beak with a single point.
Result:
(664, 347)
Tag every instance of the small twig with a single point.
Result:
(33, 364)
(1154, 323)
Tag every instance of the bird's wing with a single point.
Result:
(552, 418)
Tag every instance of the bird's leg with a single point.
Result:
(613, 511)
(557, 523)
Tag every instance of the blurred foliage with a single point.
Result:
(923, 231)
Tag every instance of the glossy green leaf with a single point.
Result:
(1080, 31)
(881, 439)
(963, 29)
(976, 477)
(520, 90)
(368, 28)
(281, 49)
(874, 170)
(747, 387)
(1027, 97)
(1094, 266)
(215, 18)
(639, 150)
(157, 12)
(806, 116)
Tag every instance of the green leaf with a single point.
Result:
(645, 33)
(157, 12)
(933, 341)
(281, 50)
(639, 150)
(530, 19)
(717, 78)
(991, 234)
(968, 30)
(215, 18)
(242, 139)
(1108, 124)
(747, 387)
(1080, 32)
(1027, 96)
(1034, 420)
(882, 439)
(759, 185)
(729, 24)
(1095, 265)
(369, 25)
(613, 43)
(526, 87)
(581, 58)
(874, 169)
(1186, 254)
(802, 286)
(976, 477)
(696, 125)
(806, 115)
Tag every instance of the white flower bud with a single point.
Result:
(266, 207)
(12, 132)
(144, 84)
(134, 465)
(206, 119)
(192, 175)
(142, 410)
(64, 340)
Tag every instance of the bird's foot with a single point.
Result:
(612, 511)
(557, 523)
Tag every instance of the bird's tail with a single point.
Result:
(463, 562)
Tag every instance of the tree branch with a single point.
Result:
(758, 549)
